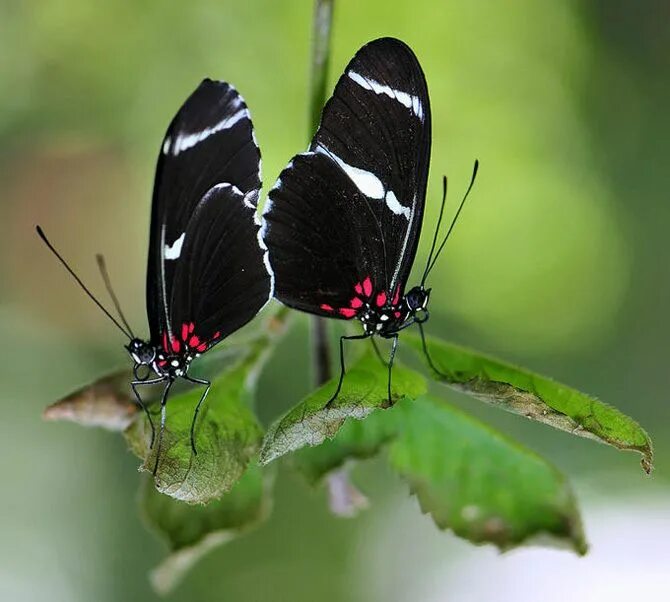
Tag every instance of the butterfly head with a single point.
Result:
(143, 353)
(417, 299)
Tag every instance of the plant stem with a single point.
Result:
(344, 499)
(321, 27)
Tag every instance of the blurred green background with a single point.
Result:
(559, 262)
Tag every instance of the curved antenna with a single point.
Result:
(41, 234)
(453, 222)
(102, 266)
(437, 228)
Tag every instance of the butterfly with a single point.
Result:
(208, 271)
(342, 222)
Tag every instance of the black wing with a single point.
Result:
(222, 278)
(347, 214)
(209, 142)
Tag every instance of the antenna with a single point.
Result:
(108, 284)
(41, 234)
(437, 228)
(453, 222)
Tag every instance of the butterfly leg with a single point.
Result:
(162, 429)
(134, 384)
(425, 351)
(342, 366)
(207, 384)
(394, 347)
(377, 352)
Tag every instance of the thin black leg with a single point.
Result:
(379, 355)
(134, 384)
(208, 384)
(342, 366)
(425, 351)
(160, 432)
(390, 365)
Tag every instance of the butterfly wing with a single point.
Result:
(347, 214)
(222, 279)
(209, 142)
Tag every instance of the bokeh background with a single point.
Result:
(560, 262)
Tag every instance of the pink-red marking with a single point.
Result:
(189, 339)
(365, 291)
(367, 287)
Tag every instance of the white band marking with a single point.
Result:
(185, 141)
(368, 183)
(173, 251)
(408, 100)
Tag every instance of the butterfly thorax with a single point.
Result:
(164, 364)
(388, 319)
(383, 313)
(383, 321)
(171, 357)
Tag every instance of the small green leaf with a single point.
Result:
(475, 481)
(356, 440)
(227, 435)
(192, 531)
(364, 390)
(523, 392)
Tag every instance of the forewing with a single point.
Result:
(210, 141)
(222, 279)
(362, 185)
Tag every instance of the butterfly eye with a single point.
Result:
(147, 354)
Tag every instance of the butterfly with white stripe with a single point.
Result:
(342, 223)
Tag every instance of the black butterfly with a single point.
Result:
(342, 223)
(208, 272)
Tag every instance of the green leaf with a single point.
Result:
(480, 484)
(364, 390)
(471, 479)
(523, 392)
(192, 531)
(227, 435)
(356, 440)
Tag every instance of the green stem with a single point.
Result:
(321, 28)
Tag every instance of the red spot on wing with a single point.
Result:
(184, 331)
(397, 314)
(356, 303)
(191, 327)
(367, 287)
(202, 347)
(396, 296)
(358, 287)
(326, 307)
(176, 346)
(347, 312)
(165, 343)
(217, 335)
(381, 299)
(162, 363)
(194, 341)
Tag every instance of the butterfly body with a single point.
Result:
(379, 312)
(343, 220)
(208, 270)
(173, 357)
